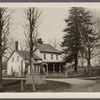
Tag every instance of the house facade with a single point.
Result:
(20, 59)
(46, 57)
(51, 58)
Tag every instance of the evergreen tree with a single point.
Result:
(79, 36)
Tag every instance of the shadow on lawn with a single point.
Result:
(50, 86)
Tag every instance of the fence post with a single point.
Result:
(22, 75)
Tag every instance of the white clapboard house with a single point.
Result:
(46, 57)
(51, 58)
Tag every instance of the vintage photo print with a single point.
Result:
(49, 50)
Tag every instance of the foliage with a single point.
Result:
(80, 37)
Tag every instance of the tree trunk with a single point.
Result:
(0, 69)
(76, 62)
(89, 64)
(32, 74)
(88, 67)
(1, 89)
(31, 66)
(31, 50)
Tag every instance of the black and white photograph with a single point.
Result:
(50, 49)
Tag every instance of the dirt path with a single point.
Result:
(78, 85)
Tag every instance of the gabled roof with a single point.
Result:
(25, 55)
(47, 48)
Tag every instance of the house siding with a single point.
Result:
(48, 56)
(16, 65)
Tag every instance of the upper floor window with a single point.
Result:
(17, 58)
(12, 59)
(44, 56)
(38, 69)
(11, 68)
(34, 68)
(57, 57)
(19, 68)
(51, 56)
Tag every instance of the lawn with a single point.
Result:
(50, 86)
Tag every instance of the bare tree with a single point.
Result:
(11, 46)
(32, 17)
(4, 32)
(23, 45)
(90, 40)
(56, 43)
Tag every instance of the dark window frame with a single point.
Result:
(12, 59)
(57, 57)
(44, 56)
(17, 58)
(52, 56)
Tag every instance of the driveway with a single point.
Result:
(77, 84)
(73, 81)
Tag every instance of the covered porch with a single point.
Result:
(53, 67)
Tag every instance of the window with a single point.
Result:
(19, 68)
(51, 56)
(44, 56)
(57, 57)
(17, 58)
(37, 69)
(11, 69)
(12, 59)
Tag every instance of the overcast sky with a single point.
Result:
(51, 27)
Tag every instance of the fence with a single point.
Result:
(55, 75)
(38, 79)
(81, 72)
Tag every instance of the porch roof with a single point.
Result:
(35, 63)
(60, 62)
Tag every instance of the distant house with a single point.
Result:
(95, 61)
(45, 56)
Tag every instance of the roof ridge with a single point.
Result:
(25, 54)
(47, 48)
(20, 50)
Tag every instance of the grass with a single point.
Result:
(50, 86)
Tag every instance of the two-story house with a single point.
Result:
(45, 56)
(51, 58)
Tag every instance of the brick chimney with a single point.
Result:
(16, 45)
(40, 41)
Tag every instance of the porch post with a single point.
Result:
(53, 68)
(59, 68)
(47, 68)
